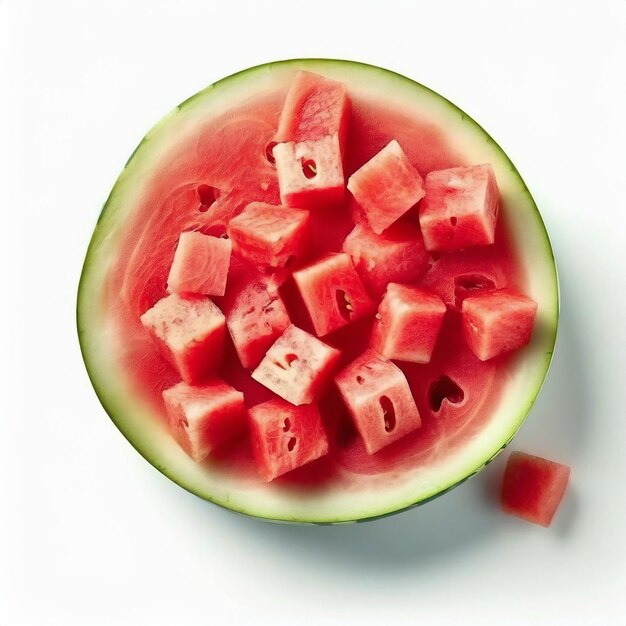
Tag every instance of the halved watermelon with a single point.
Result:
(201, 166)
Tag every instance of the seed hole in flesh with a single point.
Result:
(344, 304)
(269, 152)
(360, 379)
(207, 196)
(389, 413)
(286, 424)
(288, 360)
(309, 168)
(453, 221)
(291, 444)
(290, 260)
(467, 285)
(444, 388)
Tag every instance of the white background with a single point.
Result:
(90, 534)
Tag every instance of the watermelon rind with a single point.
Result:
(353, 497)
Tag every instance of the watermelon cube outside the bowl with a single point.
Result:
(285, 437)
(200, 265)
(270, 235)
(409, 321)
(379, 399)
(255, 319)
(386, 187)
(533, 487)
(297, 366)
(497, 322)
(205, 417)
(333, 293)
(311, 139)
(397, 255)
(460, 208)
(189, 331)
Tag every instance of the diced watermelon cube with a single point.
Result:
(315, 107)
(386, 187)
(533, 487)
(270, 235)
(189, 331)
(409, 321)
(497, 322)
(310, 173)
(460, 208)
(206, 417)
(297, 366)
(255, 319)
(285, 437)
(397, 255)
(333, 293)
(200, 265)
(379, 399)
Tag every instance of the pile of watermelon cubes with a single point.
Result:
(458, 209)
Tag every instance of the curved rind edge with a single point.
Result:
(401, 507)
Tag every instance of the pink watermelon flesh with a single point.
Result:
(200, 265)
(533, 487)
(460, 208)
(255, 319)
(315, 107)
(205, 417)
(226, 154)
(311, 141)
(310, 173)
(189, 331)
(471, 284)
(285, 437)
(297, 366)
(379, 400)
(409, 321)
(270, 235)
(333, 293)
(497, 322)
(386, 187)
(397, 255)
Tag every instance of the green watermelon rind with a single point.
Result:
(132, 417)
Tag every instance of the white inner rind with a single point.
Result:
(360, 497)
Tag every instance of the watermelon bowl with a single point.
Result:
(221, 161)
